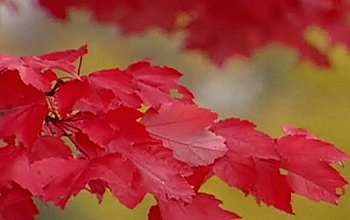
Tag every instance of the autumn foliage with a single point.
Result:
(222, 28)
(124, 130)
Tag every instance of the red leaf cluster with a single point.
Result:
(63, 134)
(222, 28)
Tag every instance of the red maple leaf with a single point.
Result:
(60, 179)
(48, 146)
(98, 92)
(105, 90)
(247, 165)
(116, 129)
(199, 176)
(308, 164)
(182, 128)
(154, 84)
(203, 207)
(169, 151)
(15, 167)
(33, 70)
(258, 171)
(23, 108)
(16, 203)
(160, 174)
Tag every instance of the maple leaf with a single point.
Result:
(24, 111)
(47, 146)
(199, 176)
(306, 161)
(16, 160)
(298, 131)
(59, 179)
(247, 164)
(256, 177)
(308, 164)
(160, 174)
(33, 70)
(97, 187)
(246, 140)
(171, 209)
(154, 84)
(120, 83)
(154, 213)
(16, 203)
(132, 196)
(64, 58)
(119, 126)
(117, 147)
(78, 95)
(98, 92)
(181, 127)
(84, 143)
(15, 166)
(107, 89)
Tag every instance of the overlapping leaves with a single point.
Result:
(222, 28)
(61, 135)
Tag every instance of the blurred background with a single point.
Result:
(272, 89)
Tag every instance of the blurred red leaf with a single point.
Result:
(222, 28)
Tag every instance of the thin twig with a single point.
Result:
(53, 90)
(80, 63)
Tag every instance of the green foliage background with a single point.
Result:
(272, 89)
